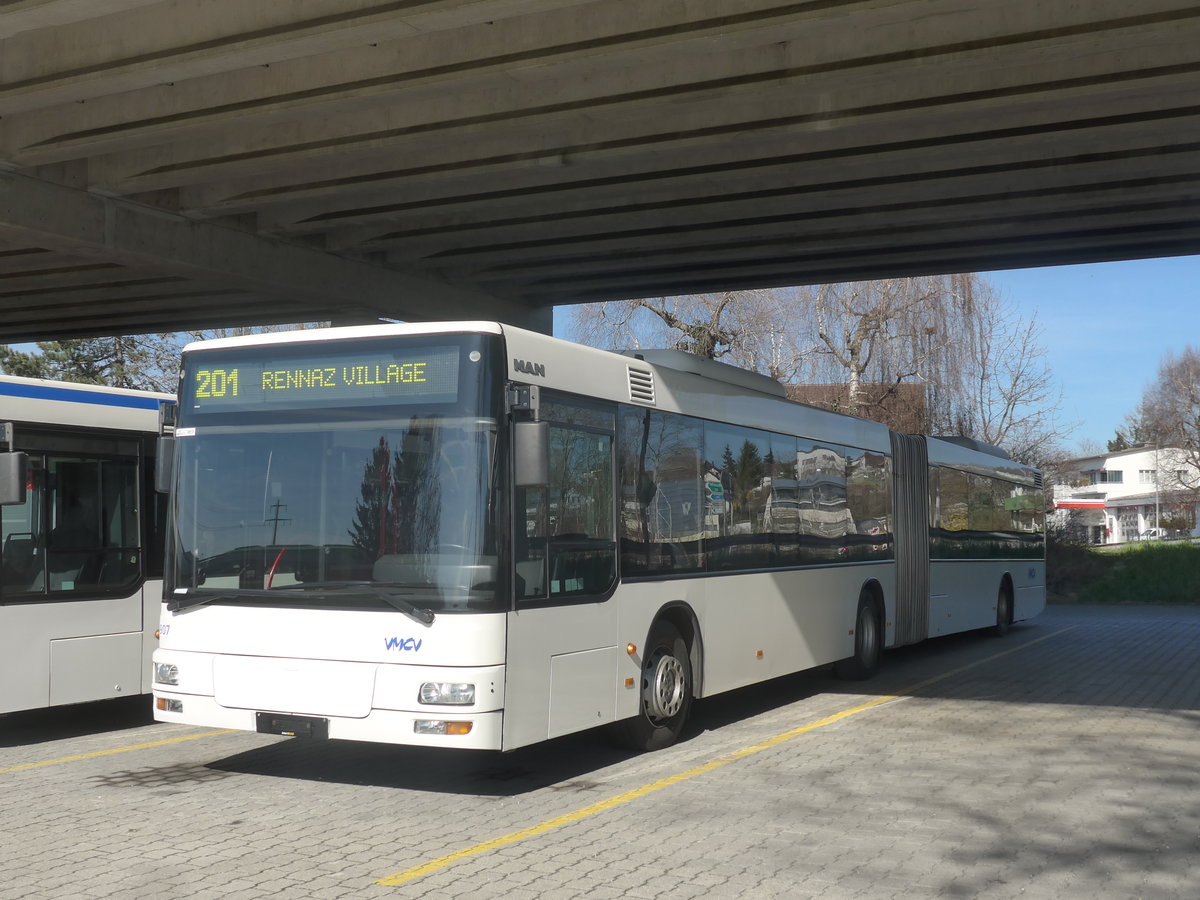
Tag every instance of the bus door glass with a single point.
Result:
(23, 533)
(565, 534)
(93, 538)
(77, 531)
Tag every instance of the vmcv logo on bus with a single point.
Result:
(396, 643)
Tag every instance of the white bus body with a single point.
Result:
(320, 477)
(81, 589)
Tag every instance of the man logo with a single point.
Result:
(530, 368)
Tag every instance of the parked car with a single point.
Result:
(1162, 534)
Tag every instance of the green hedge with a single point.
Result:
(1153, 572)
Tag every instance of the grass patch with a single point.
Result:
(1152, 572)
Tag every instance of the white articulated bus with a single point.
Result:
(82, 534)
(471, 535)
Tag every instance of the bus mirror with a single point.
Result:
(531, 453)
(168, 416)
(14, 469)
(164, 463)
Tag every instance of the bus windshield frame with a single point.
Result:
(369, 495)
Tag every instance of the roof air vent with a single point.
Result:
(641, 385)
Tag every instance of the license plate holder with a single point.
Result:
(292, 726)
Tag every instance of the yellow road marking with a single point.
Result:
(115, 750)
(514, 837)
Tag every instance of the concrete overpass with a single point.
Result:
(168, 164)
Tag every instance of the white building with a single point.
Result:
(1118, 497)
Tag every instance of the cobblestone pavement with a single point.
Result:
(1062, 761)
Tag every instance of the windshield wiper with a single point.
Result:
(191, 597)
(389, 594)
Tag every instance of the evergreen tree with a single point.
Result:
(139, 361)
(147, 362)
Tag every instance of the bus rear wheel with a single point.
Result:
(666, 692)
(868, 642)
(1004, 611)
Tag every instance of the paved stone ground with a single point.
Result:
(1062, 761)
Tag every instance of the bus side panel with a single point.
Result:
(640, 603)
(32, 635)
(797, 619)
(96, 667)
(562, 670)
(152, 610)
(963, 592)
(1029, 579)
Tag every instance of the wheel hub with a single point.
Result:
(665, 687)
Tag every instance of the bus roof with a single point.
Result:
(664, 380)
(68, 403)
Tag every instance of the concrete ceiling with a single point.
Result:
(166, 165)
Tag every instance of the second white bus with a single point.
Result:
(81, 538)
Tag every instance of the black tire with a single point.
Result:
(868, 642)
(1004, 612)
(665, 693)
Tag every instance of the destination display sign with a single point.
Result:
(318, 377)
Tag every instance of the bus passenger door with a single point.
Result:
(562, 654)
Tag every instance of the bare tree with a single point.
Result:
(882, 332)
(1007, 392)
(981, 371)
(1169, 415)
(707, 325)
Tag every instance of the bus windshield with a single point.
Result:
(361, 505)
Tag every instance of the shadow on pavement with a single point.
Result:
(39, 726)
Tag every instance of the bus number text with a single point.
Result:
(216, 383)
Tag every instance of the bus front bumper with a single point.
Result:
(475, 731)
(357, 701)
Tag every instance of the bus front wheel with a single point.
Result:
(666, 692)
(868, 642)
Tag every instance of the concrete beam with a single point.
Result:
(83, 224)
(470, 165)
(29, 15)
(170, 42)
(970, 236)
(818, 78)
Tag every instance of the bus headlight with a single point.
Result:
(447, 693)
(441, 726)
(166, 673)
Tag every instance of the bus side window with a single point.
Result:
(566, 532)
(93, 540)
(530, 543)
(662, 493)
(24, 550)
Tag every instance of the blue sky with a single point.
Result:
(1106, 328)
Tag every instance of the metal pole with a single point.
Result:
(1156, 508)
